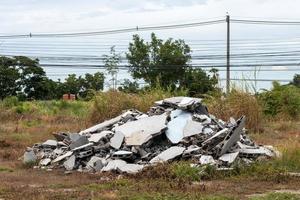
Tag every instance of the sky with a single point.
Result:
(62, 16)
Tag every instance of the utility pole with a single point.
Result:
(228, 55)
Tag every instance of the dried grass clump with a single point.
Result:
(236, 104)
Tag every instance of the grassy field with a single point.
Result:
(25, 123)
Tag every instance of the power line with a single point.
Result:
(265, 22)
(115, 31)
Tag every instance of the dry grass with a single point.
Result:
(110, 104)
(236, 104)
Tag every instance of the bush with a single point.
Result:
(282, 100)
(236, 104)
(9, 102)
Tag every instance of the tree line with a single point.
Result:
(158, 63)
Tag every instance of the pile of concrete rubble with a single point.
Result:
(177, 128)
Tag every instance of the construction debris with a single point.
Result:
(176, 128)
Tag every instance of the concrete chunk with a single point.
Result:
(113, 165)
(140, 131)
(207, 160)
(130, 168)
(70, 163)
(192, 128)
(234, 136)
(176, 126)
(82, 140)
(168, 154)
(117, 140)
(102, 126)
(50, 143)
(45, 162)
(96, 163)
(229, 157)
(29, 157)
(96, 137)
(59, 158)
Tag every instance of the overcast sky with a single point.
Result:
(58, 16)
(22, 16)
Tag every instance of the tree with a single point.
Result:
(72, 84)
(34, 82)
(129, 86)
(296, 80)
(9, 77)
(111, 62)
(198, 82)
(158, 61)
(92, 82)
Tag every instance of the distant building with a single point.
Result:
(69, 97)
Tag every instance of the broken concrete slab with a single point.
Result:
(29, 157)
(140, 131)
(168, 154)
(96, 137)
(192, 128)
(70, 163)
(50, 143)
(45, 162)
(229, 157)
(176, 126)
(96, 163)
(113, 165)
(130, 168)
(102, 126)
(117, 140)
(82, 140)
(207, 160)
(234, 136)
(59, 158)
(256, 152)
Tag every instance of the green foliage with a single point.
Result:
(111, 63)
(281, 100)
(184, 171)
(166, 63)
(9, 77)
(129, 86)
(277, 196)
(296, 80)
(157, 59)
(10, 101)
(198, 82)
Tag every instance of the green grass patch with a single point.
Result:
(5, 169)
(277, 196)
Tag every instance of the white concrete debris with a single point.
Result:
(140, 131)
(96, 137)
(168, 154)
(130, 168)
(70, 163)
(50, 143)
(176, 128)
(29, 157)
(101, 126)
(207, 160)
(117, 140)
(229, 157)
(96, 163)
(45, 162)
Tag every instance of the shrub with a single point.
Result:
(282, 100)
(9, 102)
